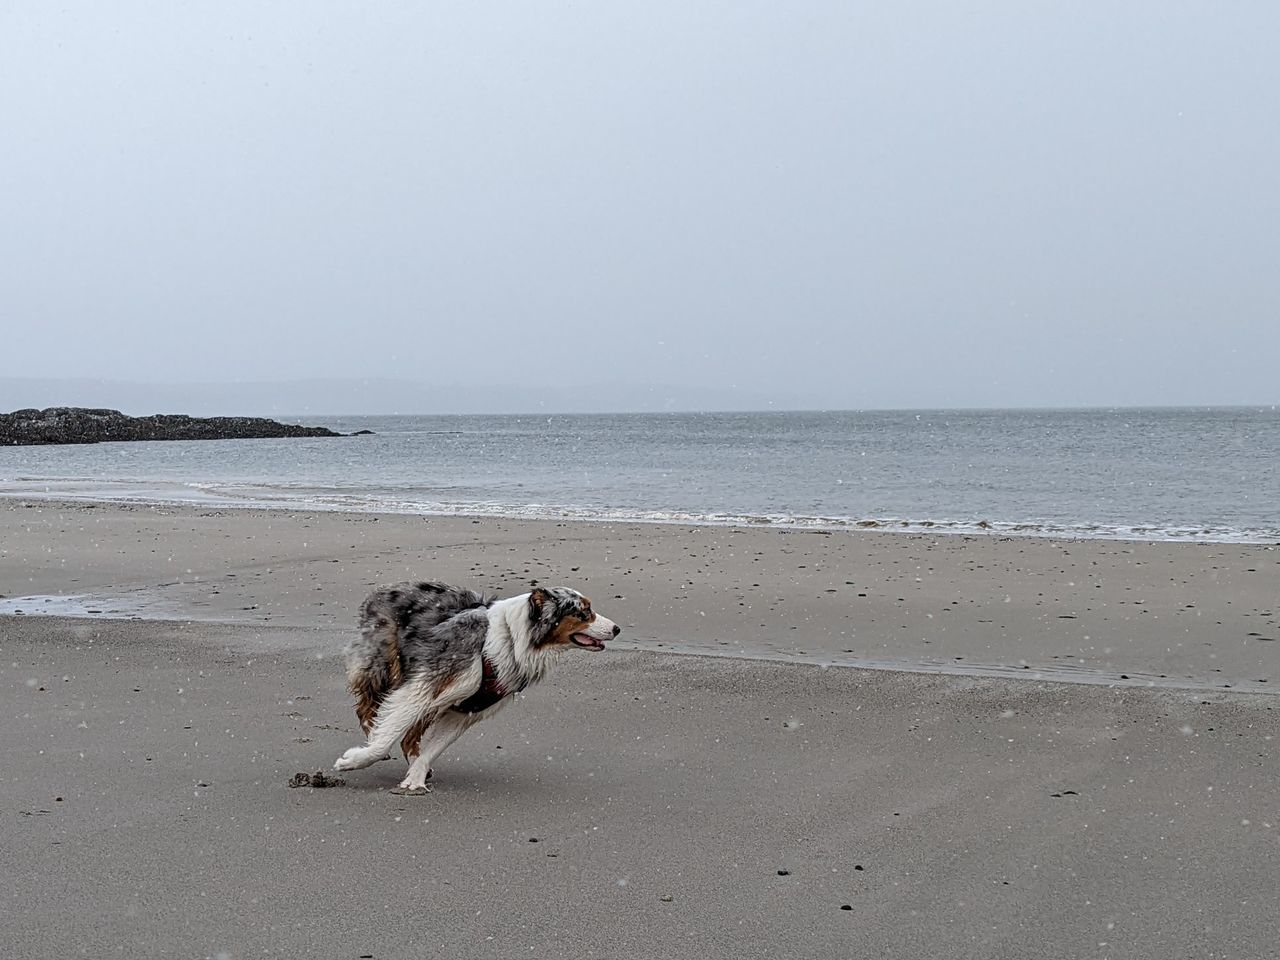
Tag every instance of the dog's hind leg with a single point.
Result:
(410, 743)
(411, 747)
(440, 735)
(417, 700)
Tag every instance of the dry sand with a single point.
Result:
(640, 804)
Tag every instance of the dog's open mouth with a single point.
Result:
(587, 642)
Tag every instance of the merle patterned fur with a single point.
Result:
(432, 659)
(411, 627)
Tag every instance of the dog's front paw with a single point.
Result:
(356, 758)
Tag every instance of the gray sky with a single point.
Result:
(824, 204)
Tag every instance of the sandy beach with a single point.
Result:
(778, 799)
(1095, 611)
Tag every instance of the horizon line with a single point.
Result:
(1082, 408)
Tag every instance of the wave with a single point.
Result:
(278, 497)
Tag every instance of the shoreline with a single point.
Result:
(215, 495)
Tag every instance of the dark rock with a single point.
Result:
(83, 425)
(364, 433)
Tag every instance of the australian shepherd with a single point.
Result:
(432, 659)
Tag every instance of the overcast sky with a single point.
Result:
(839, 204)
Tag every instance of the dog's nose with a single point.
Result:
(616, 629)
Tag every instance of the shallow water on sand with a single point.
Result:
(154, 605)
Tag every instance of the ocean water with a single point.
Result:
(1165, 474)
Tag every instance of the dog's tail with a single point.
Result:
(375, 663)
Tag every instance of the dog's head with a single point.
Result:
(559, 616)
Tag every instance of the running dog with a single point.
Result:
(431, 660)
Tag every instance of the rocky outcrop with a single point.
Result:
(81, 425)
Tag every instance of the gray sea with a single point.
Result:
(1160, 474)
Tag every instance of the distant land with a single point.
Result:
(317, 398)
(81, 425)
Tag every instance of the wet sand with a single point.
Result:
(640, 803)
(1100, 611)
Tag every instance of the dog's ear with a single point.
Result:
(537, 598)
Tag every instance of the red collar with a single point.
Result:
(490, 683)
(491, 690)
